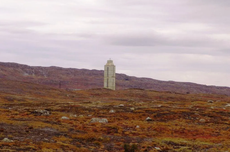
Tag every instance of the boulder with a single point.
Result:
(41, 112)
(132, 109)
(81, 116)
(121, 105)
(210, 101)
(100, 120)
(73, 115)
(112, 111)
(64, 118)
(148, 119)
(157, 148)
(228, 105)
(202, 120)
(6, 140)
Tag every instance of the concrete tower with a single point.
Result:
(109, 75)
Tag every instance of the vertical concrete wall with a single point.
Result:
(109, 75)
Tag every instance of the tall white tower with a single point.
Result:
(109, 75)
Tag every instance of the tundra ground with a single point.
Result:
(38, 118)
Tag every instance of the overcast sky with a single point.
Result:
(179, 40)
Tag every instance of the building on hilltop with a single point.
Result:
(109, 75)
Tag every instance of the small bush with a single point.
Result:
(130, 148)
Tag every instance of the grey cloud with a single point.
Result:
(210, 12)
(210, 2)
(162, 40)
(21, 27)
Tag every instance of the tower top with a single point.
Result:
(109, 62)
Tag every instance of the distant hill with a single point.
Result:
(71, 78)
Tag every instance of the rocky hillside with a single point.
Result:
(70, 78)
